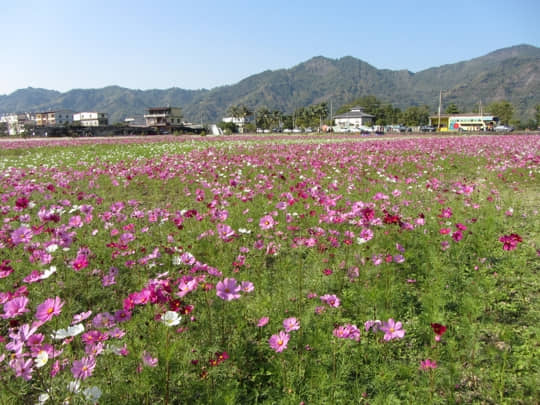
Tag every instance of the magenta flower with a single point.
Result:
(5, 269)
(80, 262)
(15, 307)
(511, 241)
(279, 342)
(428, 364)
(392, 330)
(228, 289)
(82, 369)
(263, 321)
(291, 324)
(49, 308)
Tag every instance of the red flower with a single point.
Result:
(439, 330)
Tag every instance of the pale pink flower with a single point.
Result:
(228, 289)
(15, 307)
(82, 369)
(291, 324)
(279, 342)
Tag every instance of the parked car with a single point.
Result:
(427, 128)
(403, 128)
(287, 130)
(503, 128)
(297, 131)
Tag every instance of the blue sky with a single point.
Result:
(63, 45)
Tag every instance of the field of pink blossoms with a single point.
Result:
(275, 270)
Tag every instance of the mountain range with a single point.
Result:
(511, 74)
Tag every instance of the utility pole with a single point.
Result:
(440, 103)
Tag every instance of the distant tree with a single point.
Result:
(263, 118)
(452, 109)
(228, 127)
(537, 115)
(370, 105)
(276, 118)
(415, 116)
(502, 109)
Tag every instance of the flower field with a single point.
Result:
(271, 270)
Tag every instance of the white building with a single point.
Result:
(17, 124)
(90, 119)
(356, 118)
(240, 122)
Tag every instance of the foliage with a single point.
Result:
(502, 109)
(452, 109)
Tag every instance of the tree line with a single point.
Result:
(316, 115)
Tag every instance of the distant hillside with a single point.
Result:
(512, 74)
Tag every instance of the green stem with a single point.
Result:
(167, 368)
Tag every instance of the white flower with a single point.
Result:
(52, 248)
(171, 318)
(47, 273)
(74, 386)
(361, 240)
(92, 394)
(176, 261)
(41, 359)
(244, 230)
(42, 398)
(69, 332)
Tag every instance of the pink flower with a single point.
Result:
(279, 342)
(347, 331)
(80, 317)
(267, 222)
(148, 360)
(392, 330)
(331, 300)
(291, 324)
(49, 308)
(82, 369)
(5, 269)
(225, 232)
(247, 286)
(22, 368)
(457, 236)
(510, 241)
(80, 262)
(228, 289)
(374, 325)
(428, 364)
(22, 234)
(15, 307)
(263, 321)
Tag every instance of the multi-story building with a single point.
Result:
(54, 118)
(90, 119)
(163, 116)
(17, 124)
